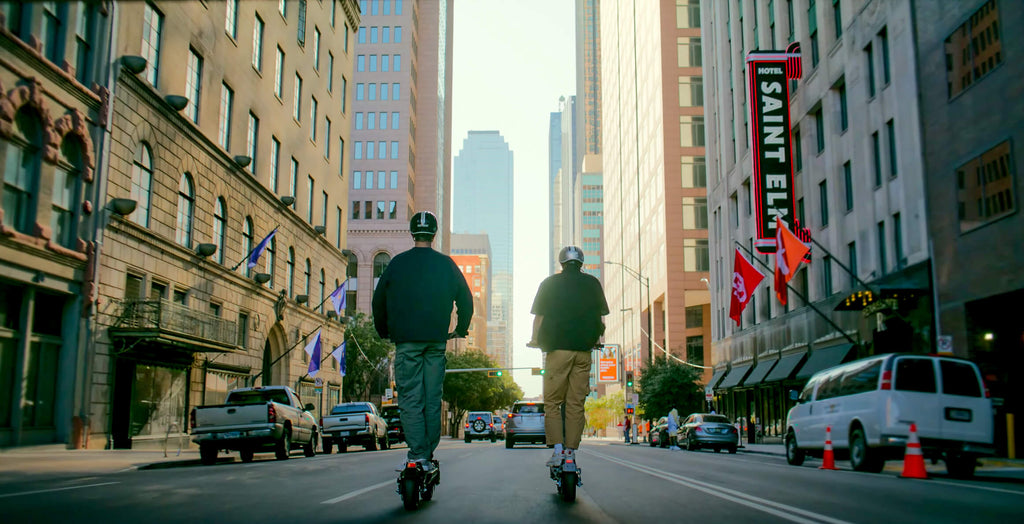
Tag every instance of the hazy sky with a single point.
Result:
(513, 59)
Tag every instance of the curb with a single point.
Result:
(760, 452)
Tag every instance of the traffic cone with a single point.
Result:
(913, 458)
(828, 457)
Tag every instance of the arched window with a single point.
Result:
(352, 290)
(220, 226)
(21, 171)
(270, 262)
(323, 281)
(247, 244)
(64, 197)
(142, 184)
(309, 271)
(291, 271)
(380, 263)
(186, 210)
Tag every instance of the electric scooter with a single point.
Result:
(414, 483)
(567, 477)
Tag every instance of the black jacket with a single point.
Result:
(572, 304)
(413, 299)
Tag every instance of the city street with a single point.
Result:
(484, 482)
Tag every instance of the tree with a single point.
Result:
(474, 390)
(604, 411)
(668, 384)
(367, 358)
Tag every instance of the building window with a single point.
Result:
(397, 60)
(271, 251)
(355, 210)
(696, 256)
(252, 141)
(279, 74)
(695, 213)
(385, 63)
(327, 138)
(151, 31)
(257, 44)
(247, 242)
(330, 72)
(186, 211)
(848, 183)
(694, 171)
(694, 317)
(84, 38)
(812, 29)
(890, 129)
(220, 227)
(357, 180)
(231, 18)
(323, 278)
(227, 100)
(291, 272)
(791, 26)
(851, 253)
(876, 156)
(882, 255)
(819, 127)
(312, 118)
(360, 63)
(883, 36)
(691, 91)
(374, 32)
(687, 14)
(367, 209)
(394, 147)
(691, 131)
(373, 63)
(361, 35)
(301, 26)
(380, 210)
(815, 53)
(344, 94)
(689, 51)
(358, 152)
(282, 7)
(985, 188)
(341, 156)
(309, 199)
(844, 119)
(826, 276)
(392, 210)
(383, 120)
(63, 199)
(360, 91)
(897, 239)
(695, 350)
(323, 209)
(799, 151)
(297, 97)
(380, 263)
(194, 84)
(316, 48)
(823, 201)
(837, 18)
(337, 228)
(394, 92)
(359, 121)
(275, 163)
(142, 184)
(973, 49)
(398, 34)
(800, 210)
(869, 55)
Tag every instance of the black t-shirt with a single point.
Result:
(572, 304)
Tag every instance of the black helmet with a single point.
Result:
(570, 254)
(423, 225)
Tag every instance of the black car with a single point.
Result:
(707, 430)
(391, 416)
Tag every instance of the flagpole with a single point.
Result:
(235, 267)
(799, 295)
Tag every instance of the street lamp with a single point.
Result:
(650, 321)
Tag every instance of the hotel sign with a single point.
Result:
(768, 73)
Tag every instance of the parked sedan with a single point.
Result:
(705, 430)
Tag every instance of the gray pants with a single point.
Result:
(419, 375)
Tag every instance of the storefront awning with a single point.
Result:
(735, 377)
(785, 367)
(825, 358)
(760, 371)
(717, 377)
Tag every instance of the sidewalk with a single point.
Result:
(53, 461)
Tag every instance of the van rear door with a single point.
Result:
(966, 413)
(915, 396)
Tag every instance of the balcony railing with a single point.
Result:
(176, 324)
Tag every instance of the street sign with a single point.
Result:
(945, 343)
(319, 383)
(636, 398)
(388, 393)
(709, 395)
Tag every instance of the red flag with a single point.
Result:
(745, 279)
(789, 252)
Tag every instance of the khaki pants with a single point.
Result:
(566, 380)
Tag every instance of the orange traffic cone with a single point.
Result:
(913, 458)
(828, 458)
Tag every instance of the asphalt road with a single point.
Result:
(484, 482)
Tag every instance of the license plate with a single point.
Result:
(231, 434)
(958, 414)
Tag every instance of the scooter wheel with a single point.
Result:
(568, 487)
(410, 493)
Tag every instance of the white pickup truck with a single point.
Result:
(354, 423)
(269, 418)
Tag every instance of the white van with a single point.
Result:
(870, 404)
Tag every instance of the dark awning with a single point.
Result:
(785, 367)
(735, 377)
(719, 373)
(825, 358)
(760, 371)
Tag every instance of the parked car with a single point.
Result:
(499, 426)
(525, 424)
(354, 423)
(659, 433)
(479, 426)
(706, 430)
(392, 417)
(263, 418)
(870, 404)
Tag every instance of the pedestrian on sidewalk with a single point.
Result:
(673, 426)
(629, 425)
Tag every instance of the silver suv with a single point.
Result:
(525, 423)
(479, 426)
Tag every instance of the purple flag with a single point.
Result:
(313, 349)
(338, 297)
(254, 257)
(339, 355)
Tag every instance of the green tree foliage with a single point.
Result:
(367, 359)
(668, 384)
(474, 390)
(605, 411)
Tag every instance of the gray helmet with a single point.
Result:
(423, 225)
(570, 254)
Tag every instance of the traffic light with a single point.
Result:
(629, 410)
(494, 373)
(537, 371)
(629, 379)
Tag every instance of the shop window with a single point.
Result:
(158, 400)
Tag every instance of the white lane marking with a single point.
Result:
(986, 488)
(55, 489)
(783, 511)
(358, 492)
